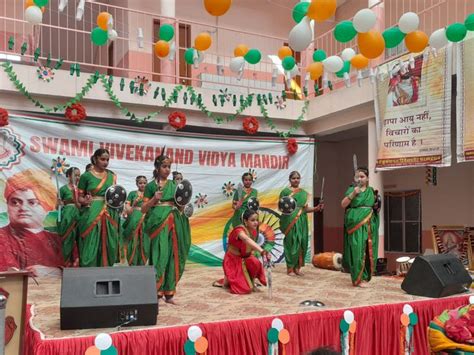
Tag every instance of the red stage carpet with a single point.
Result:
(239, 324)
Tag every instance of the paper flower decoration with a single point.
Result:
(45, 73)
(228, 189)
(59, 165)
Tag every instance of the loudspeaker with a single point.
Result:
(107, 297)
(436, 276)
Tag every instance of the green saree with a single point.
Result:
(248, 193)
(136, 246)
(67, 227)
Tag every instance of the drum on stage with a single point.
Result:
(287, 205)
(183, 193)
(115, 196)
(329, 260)
(403, 265)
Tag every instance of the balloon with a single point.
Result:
(241, 50)
(346, 68)
(456, 32)
(284, 336)
(201, 345)
(277, 323)
(315, 70)
(41, 3)
(371, 44)
(29, 3)
(237, 64)
(203, 41)
(407, 309)
(288, 63)
(253, 56)
(301, 35)
(110, 351)
(416, 41)
(166, 32)
(103, 20)
(469, 22)
(34, 15)
(344, 31)
(217, 7)
(359, 61)
(162, 48)
(393, 37)
(408, 22)
(347, 54)
(272, 335)
(194, 333)
(189, 348)
(348, 316)
(319, 55)
(438, 39)
(364, 20)
(333, 64)
(471, 299)
(99, 37)
(92, 350)
(413, 318)
(112, 34)
(321, 10)
(103, 341)
(189, 55)
(285, 51)
(294, 72)
(172, 51)
(299, 11)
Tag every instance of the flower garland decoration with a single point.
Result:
(348, 328)
(196, 343)
(228, 189)
(141, 85)
(408, 320)
(177, 119)
(201, 200)
(292, 146)
(45, 73)
(3, 117)
(250, 125)
(75, 112)
(277, 333)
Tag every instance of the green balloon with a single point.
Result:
(344, 326)
(344, 31)
(469, 22)
(189, 348)
(393, 37)
(253, 56)
(272, 335)
(319, 55)
(41, 3)
(109, 351)
(288, 63)
(345, 69)
(166, 32)
(413, 318)
(99, 37)
(300, 10)
(456, 32)
(189, 56)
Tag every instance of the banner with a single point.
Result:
(213, 164)
(413, 112)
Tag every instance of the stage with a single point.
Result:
(238, 324)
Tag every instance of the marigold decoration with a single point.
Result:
(3, 117)
(75, 113)
(177, 119)
(228, 189)
(292, 146)
(142, 85)
(250, 125)
(45, 73)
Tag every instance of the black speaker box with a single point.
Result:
(436, 276)
(106, 297)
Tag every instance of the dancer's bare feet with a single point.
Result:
(290, 272)
(299, 272)
(171, 301)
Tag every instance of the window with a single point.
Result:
(403, 221)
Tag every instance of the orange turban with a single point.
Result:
(37, 181)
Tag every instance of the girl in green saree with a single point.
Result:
(67, 227)
(239, 203)
(295, 226)
(98, 224)
(136, 247)
(167, 229)
(361, 228)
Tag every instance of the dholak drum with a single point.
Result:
(403, 265)
(329, 260)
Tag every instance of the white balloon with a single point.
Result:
(301, 35)
(333, 64)
(294, 72)
(438, 39)
(112, 34)
(194, 333)
(34, 15)
(237, 64)
(347, 54)
(110, 23)
(407, 309)
(408, 22)
(172, 52)
(364, 20)
(471, 299)
(348, 317)
(277, 323)
(103, 341)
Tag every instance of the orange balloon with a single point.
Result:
(217, 7)
(103, 20)
(352, 327)
(92, 350)
(29, 3)
(405, 319)
(162, 49)
(203, 41)
(284, 336)
(321, 10)
(284, 51)
(416, 41)
(315, 70)
(359, 61)
(371, 44)
(200, 345)
(241, 50)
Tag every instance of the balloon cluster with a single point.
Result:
(287, 61)
(196, 343)
(102, 346)
(163, 47)
(34, 10)
(243, 54)
(348, 327)
(453, 33)
(104, 30)
(277, 333)
(195, 55)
